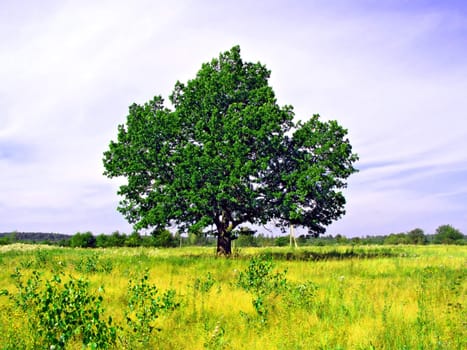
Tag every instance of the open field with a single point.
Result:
(410, 297)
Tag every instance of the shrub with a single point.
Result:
(144, 307)
(259, 280)
(59, 312)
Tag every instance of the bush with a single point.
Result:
(260, 280)
(145, 304)
(60, 312)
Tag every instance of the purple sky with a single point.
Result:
(394, 73)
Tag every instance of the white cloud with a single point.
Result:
(393, 76)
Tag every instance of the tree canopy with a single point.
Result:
(226, 154)
(446, 234)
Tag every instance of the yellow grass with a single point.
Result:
(415, 300)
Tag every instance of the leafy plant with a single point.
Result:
(88, 264)
(204, 285)
(93, 264)
(260, 280)
(144, 307)
(301, 294)
(60, 311)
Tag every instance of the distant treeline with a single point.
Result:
(32, 237)
(445, 234)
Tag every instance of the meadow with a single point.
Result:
(372, 297)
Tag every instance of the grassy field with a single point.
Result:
(410, 297)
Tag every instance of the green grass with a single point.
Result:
(335, 297)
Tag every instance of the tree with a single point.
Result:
(133, 240)
(164, 239)
(102, 241)
(116, 239)
(397, 238)
(446, 234)
(228, 154)
(416, 236)
(83, 240)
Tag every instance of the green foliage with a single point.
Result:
(301, 295)
(144, 307)
(163, 238)
(246, 241)
(446, 234)
(199, 239)
(116, 239)
(6, 240)
(204, 285)
(133, 240)
(83, 240)
(228, 154)
(341, 239)
(416, 236)
(93, 264)
(396, 238)
(260, 280)
(380, 297)
(59, 311)
(216, 339)
(282, 241)
(102, 241)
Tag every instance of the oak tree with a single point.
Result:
(226, 154)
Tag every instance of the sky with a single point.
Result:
(393, 73)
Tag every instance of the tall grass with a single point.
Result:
(332, 298)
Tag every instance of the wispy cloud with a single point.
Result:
(393, 73)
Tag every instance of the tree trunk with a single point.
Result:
(224, 245)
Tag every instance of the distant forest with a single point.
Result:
(445, 234)
(35, 236)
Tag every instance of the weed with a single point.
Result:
(88, 264)
(301, 294)
(259, 280)
(204, 285)
(41, 258)
(59, 312)
(216, 339)
(412, 299)
(145, 306)
(106, 266)
(93, 264)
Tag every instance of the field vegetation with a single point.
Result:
(346, 297)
